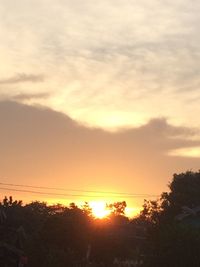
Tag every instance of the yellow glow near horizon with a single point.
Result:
(99, 209)
(132, 211)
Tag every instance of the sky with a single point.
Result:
(99, 95)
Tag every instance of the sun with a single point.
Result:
(99, 209)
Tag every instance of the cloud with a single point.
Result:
(28, 97)
(117, 63)
(22, 78)
(40, 147)
(190, 152)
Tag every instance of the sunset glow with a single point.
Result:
(99, 111)
(98, 99)
(99, 209)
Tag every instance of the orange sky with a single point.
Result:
(40, 147)
(103, 97)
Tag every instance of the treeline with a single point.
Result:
(166, 233)
(60, 236)
(173, 224)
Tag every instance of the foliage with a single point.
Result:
(117, 208)
(70, 236)
(60, 236)
(170, 242)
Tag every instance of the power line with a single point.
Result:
(72, 190)
(64, 195)
(117, 194)
(44, 193)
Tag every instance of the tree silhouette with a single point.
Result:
(117, 208)
(172, 242)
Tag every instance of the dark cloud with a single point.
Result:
(40, 146)
(22, 97)
(21, 78)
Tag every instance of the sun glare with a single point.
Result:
(99, 209)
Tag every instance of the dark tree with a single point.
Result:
(117, 208)
(169, 241)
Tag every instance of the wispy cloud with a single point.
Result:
(22, 78)
(129, 61)
(27, 97)
(188, 152)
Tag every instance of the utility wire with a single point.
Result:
(129, 195)
(43, 193)
(66, 195)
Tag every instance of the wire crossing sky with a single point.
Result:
(99, 194)
(85, 197)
